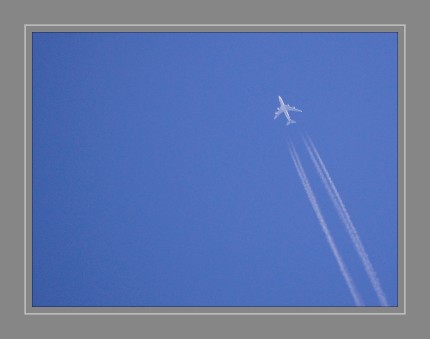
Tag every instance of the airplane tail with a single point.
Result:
(291, 122)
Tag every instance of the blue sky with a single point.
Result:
(161, 179)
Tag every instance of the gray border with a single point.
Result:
(400, 309)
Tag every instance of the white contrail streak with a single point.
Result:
(315, 206)
(344, 216)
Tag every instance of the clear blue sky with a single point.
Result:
(161, 179)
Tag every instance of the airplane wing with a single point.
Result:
(293, 109)
(277, 114)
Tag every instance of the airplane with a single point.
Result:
(284, 109)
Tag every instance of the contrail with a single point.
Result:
(344, 216)
(314, 203)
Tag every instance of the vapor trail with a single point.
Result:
(315, 206)
(344, 216)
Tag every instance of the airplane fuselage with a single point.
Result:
(285, 111)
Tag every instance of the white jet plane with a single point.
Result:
(284, 109)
